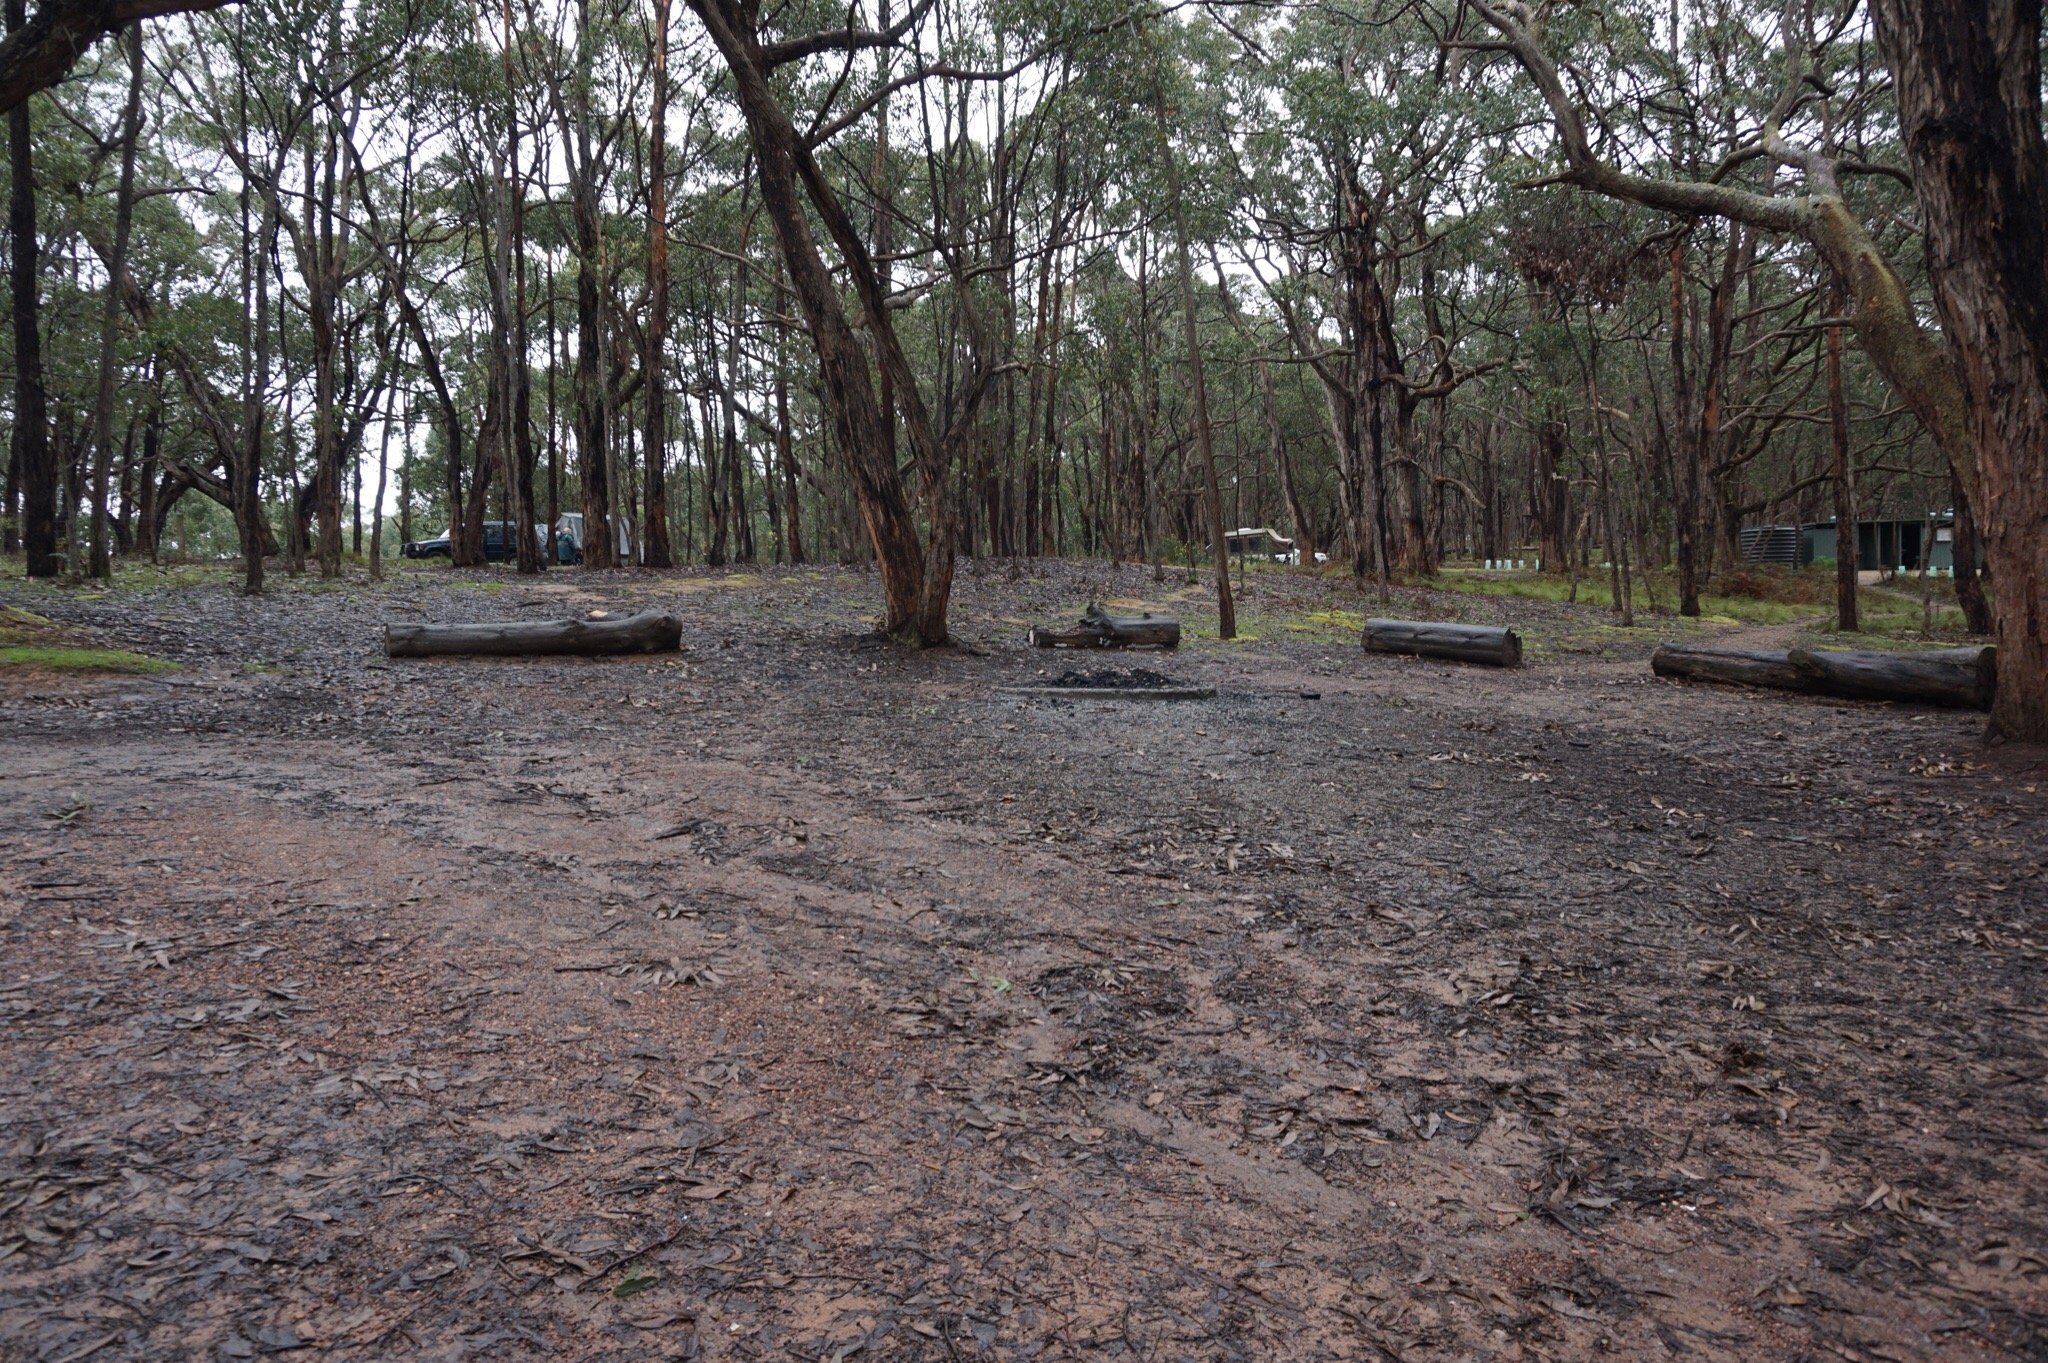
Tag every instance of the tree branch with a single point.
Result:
(42, 52)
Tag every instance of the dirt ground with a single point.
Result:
(799, 997)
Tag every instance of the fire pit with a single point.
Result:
(1112, 683)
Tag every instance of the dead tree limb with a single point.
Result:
(1099, 629)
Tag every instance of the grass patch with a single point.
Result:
(1896, 617)
(1335, 620)
(130, 574)
(1744, 610)
(1529, 588)
(32, 641)
(59, 658)
(17, 624)
(1785, 606)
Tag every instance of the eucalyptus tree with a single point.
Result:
(100, 560)
(282, 81)
(658, 554)
(38, 53)
(593, 79)
(915, 564)
(31, 455)
(1968, 99)
(1359, 135)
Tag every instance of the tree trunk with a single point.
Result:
(1226, 609)
(739, 530)
(531, 557)
(785, 445)
(1686, 432)
(593, 454)
(1968, 82)
(246, 471)
(383, 480)
(554, 443)
(1968, 545)
(1547, 491)
(1844, 477)
(101, 561)
(916, 573)
(10, 501)
(31, 412)
(146, 477)
(655, 532)
(322, 285)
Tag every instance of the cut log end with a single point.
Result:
(1491, 645)
(648, 632)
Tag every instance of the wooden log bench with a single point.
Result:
(1489, 644)
(1730, 666)
(1962, 678)
(647, 632)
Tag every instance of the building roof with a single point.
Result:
(1938, 517)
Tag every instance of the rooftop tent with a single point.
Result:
(570, 523)
(1259, 541)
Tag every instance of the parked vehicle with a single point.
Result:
(499, 545)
